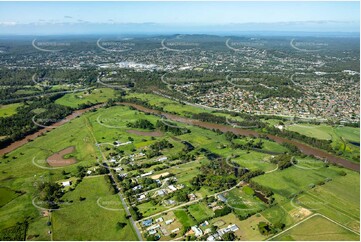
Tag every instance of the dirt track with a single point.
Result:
(57, 159)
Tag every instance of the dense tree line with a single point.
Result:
(21, 124)
(141, 124)
(321, 144)
(15, 233)
(284, 161)
(265, 190)
(167, 126)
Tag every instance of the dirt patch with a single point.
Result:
(219, 223)
(45, 213)
(159, 175)
(57, 159)
(146, 133)
(300, 213)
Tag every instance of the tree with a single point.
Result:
(120, 225)
(50, 193)
(229, 236)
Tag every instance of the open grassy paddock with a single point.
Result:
(90, 96)
(317, 188)
(9, 109)
(326, 231)
(68, 222)
(346, 140)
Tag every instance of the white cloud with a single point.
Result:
(8, 23)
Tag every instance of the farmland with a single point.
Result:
(104, 134)
(327, 230)
(65, 221)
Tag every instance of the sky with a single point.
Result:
(20, 16)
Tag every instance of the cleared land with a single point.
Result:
(106, 126)
(58, 158)
(80, 220)
(91, 96)
(345, 140)
(326, 231)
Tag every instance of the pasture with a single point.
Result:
(86, 220)
(92, 96)
(9, 109)
(326, 231)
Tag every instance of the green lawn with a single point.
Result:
(278, 214)
(184, 218)
(292, 180)
(148, 208)
(26, 166)
(316, 131)
(200, 211)
(9, 109)
(253, 160)
(338, 199)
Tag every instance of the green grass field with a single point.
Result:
(200, 211)
(326, 231)
(6, 195)
(336, 200)
(292, 180)
(24, 167)
(107, 125)
(91, 96)
(341, 137)
(9, 109)
(86, 220)
(184, 218)
(244, 203)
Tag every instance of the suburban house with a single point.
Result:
(230, 228)
(147, 222)
(158, 220)
(169, 221)
(197, 231)
(164, 158)
(221, 198)
(66, 183)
